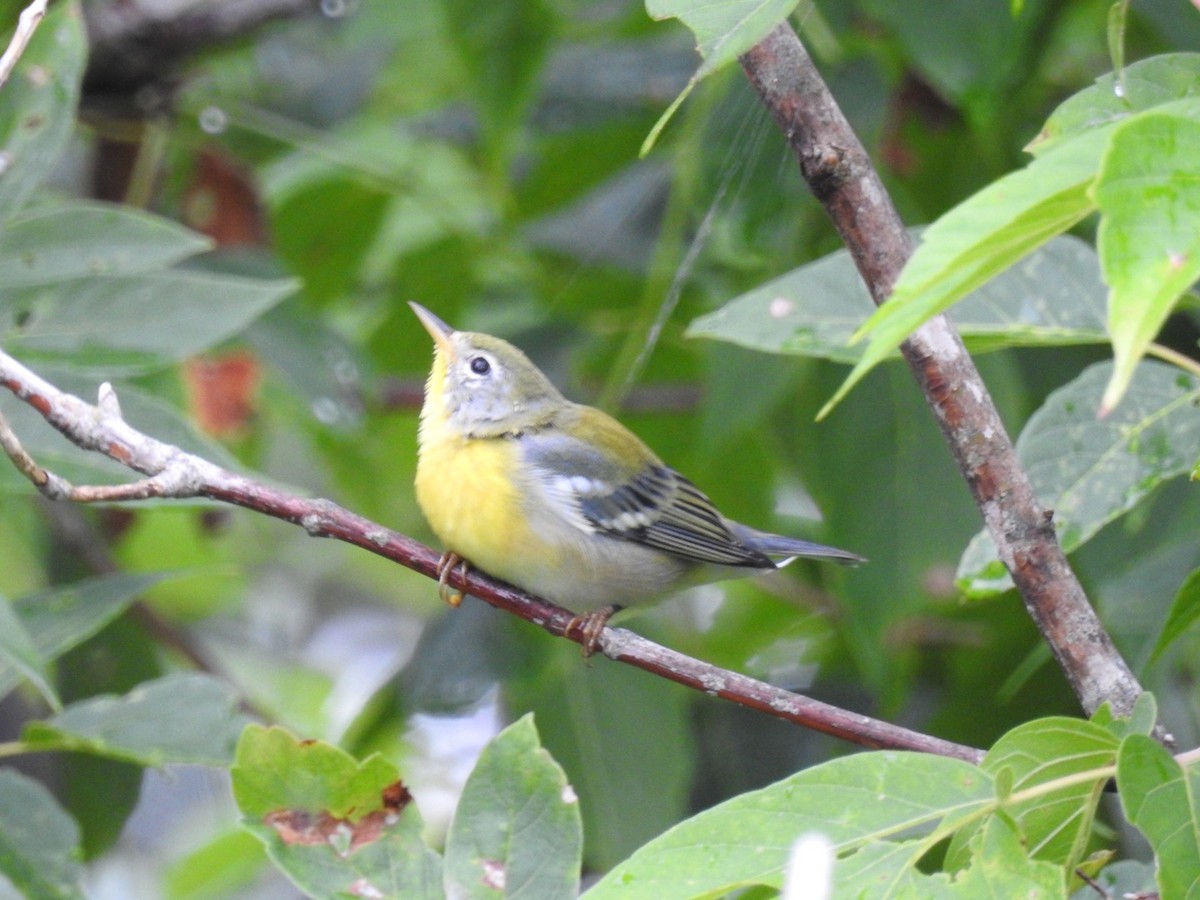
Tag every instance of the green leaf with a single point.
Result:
(335, 826)
(1148, 83)
(978, 239)
(596, 718)
(37, 105)
(1090, 470)
(1185, 610)
(724, 31)
(1148, 191)
(80, 240)
(180, 718)
(1159, 797)
(1141, 721)
(856, 802)
(276, 769)
(999, 867)
(1056, 825)
(166, 316)
(18, 652)
(59, 619)
(1053, 296)
(39, 843)
(517, 829)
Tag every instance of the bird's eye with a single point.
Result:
(480, 366)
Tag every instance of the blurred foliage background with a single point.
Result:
(482, 159)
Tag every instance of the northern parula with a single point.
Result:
(560, 499)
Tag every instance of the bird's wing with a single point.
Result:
(613, 484)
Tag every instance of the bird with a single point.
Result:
(560, 499)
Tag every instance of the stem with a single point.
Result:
(1174, 357)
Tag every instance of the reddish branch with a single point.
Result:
(840, 174)
(170, 472)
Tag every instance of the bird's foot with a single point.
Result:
(451, 595)
(589, 627)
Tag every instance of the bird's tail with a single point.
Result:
(776, 545)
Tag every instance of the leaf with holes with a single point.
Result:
(1056, 825)
(335, 826)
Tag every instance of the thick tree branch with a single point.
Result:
(170, 472)
(840, 174)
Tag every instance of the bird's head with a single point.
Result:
(484, 386)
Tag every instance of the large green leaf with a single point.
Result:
(335, 826)
(37, 105)
(1053, 296)
(39, 843)
(1056, 826)
(162, 316)
(517, 829)
(63, 241)
(59, 619)
(1148, 83)
(180, 718)
(1160, 797)
(978, 239)
(1148, 191)
(1091, 470)
(862, 803)
(989, 232)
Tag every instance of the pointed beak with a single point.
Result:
(438, 330)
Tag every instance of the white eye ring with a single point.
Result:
(479, 365)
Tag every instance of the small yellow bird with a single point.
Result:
(560, 499)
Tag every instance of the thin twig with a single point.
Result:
(1174, 357)
(27, 24)
(840, 174)
(102, 429)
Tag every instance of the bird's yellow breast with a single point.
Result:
(467, 491)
